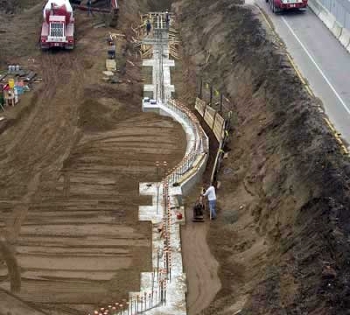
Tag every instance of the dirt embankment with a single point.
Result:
(13, 6)
(281, 236)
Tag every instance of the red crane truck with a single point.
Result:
(58, 25)
(283, 5)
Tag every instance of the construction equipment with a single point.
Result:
(58, 25)
(283, 5)
(198, 210)
(112, 10)
(113, 6)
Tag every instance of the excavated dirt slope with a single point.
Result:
(282, 235)
(71, 161)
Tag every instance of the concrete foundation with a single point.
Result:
(164, 289)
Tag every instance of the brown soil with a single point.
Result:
(200, 266)
(281, 237)
(74, 150)
(13, 6)
(70, 164)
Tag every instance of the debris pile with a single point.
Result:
(111, 64)
(14, 83)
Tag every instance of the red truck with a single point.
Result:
(283, 5)
(58, 25)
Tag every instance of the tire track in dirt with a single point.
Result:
(8, 255)
(8, 301)
(91, 205)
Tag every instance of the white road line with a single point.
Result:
(317, 66)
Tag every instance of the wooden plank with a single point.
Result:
(218, 128)
(211, 111)
(200, 106)
(208, 118)
(215, 121)
(220, 119)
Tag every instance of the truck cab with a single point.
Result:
(58, 25)
(283, 5)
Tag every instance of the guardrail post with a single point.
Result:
(221, 99)
(211, 95)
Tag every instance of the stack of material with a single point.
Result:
(22, 74)
(29, 76)
(111, 65)
(146, 51)
(174, 43)
(13, 84)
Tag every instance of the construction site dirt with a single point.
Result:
(74, 151)
(71, 162)
(281, 238)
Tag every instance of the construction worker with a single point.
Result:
(89, 4)
(210, 194)
(148, 27)
(167, 19)
(111, 50)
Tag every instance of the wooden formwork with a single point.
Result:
(140, 32)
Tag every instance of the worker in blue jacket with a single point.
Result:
(167, 19)
(89, 4)
(148, 27)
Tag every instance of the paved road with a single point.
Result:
(321, 59)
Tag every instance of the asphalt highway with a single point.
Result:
(321, 59)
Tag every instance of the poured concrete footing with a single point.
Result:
(166, 199)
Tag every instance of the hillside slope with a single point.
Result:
(282, 236)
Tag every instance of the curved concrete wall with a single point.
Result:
(166, 209)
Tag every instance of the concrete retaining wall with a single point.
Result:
(196, 176)
(336, 27)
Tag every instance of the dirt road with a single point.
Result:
(200, 266)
